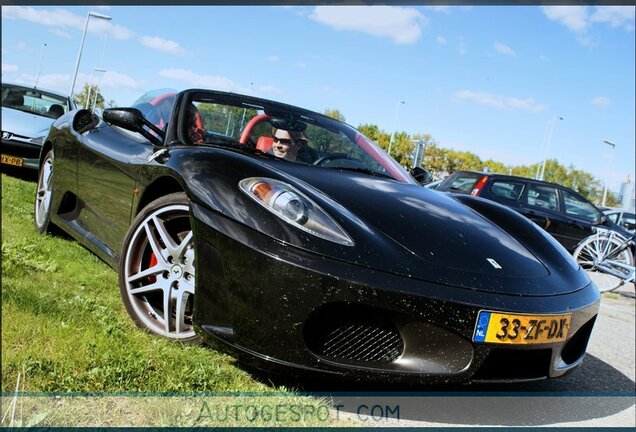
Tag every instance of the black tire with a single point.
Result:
(159, 244)
(44, 195)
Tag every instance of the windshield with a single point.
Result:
(156, 106)
(34, 101)
(295, 135)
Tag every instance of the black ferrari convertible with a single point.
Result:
(295, 242)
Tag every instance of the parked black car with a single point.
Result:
(562, 212)
(337, 264)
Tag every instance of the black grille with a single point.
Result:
(363, 342)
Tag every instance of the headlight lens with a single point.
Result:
(38, 140)
(294, 208)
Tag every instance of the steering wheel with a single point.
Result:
(321, 161)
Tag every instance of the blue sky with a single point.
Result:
(488, 79)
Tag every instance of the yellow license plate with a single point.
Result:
(12, 160)
(520, 329)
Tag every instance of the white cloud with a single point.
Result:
(503, 49)
(163, 45)
(580, 18)
(22, 46)
(56, 82)
(499, 101)
(62, 18)
(441, 40)
(574, 18)
(116, 80)
(62, 82)
(601, 101)
(615, 16)
(403, 25)
(61, 33)
(9, 68)
(205, 81)
(301, 65)
(273, 58)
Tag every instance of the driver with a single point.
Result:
(196, 133)
(290, 145)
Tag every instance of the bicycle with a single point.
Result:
(608, 252)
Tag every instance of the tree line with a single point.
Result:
(441, 161)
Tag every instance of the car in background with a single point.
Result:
(434, 184)
(562, 212)
(622, 218)
(27, 115)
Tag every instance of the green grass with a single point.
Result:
(65, 329)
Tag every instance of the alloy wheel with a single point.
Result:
(44, 192)
(159, 273)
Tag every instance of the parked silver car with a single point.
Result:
(27, 115)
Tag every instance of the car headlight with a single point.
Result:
(294, 207)
(38, 140)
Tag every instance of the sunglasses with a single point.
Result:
(284, 141)
(287, 141)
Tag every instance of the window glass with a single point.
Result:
(613, 217)
(507, 189)
(34, 101)
(542, 196)
(628, 221)
(578, 207)
(459, 182)
(284, 132)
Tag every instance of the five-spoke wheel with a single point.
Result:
(156, 270)
(44, 194)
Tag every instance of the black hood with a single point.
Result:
(437, 238)
(400, 228)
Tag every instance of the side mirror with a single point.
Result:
(127, 118)
(421, 175)
(133, 120)
(84, 121)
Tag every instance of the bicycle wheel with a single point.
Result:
(592, 253)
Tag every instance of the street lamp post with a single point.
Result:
(90, 87)
(397, 110)
(79, 53)
(37, 78)
(99, 80)
(547, 149)
(612, 145)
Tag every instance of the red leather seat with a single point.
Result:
(264, 143)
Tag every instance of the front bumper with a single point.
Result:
(278, 307)
(23, 148)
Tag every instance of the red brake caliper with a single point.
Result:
(153, 262)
